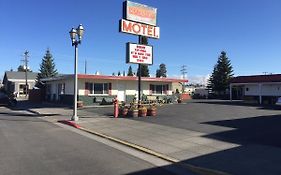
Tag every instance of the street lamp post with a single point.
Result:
(76, 37)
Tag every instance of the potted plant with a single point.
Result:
(152, 110)
(124, 111)
(134, 110)
(142, 111)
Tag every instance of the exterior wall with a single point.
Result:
(251, 90)
(123, 89)
(14, 86)
(190, 90)
(53, 93)
(176, 86)
(271, 90)
(266, 90)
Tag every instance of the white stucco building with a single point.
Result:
(15, 82)
(257, 88)
(93, 88)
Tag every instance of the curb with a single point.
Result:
(193, 168)
(70, 123)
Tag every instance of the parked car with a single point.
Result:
(278, 102)
(7, 100)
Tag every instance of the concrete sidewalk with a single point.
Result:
(183, 145)
(178, 144)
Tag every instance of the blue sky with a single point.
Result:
(193, 33)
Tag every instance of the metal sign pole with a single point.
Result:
(139, 77)
(139, 83)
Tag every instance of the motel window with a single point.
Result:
(100, 88)
(89, 87)
(159, 89)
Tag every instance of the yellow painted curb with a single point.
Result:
(195, 169)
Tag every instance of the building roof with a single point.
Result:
(129, 78)
(125, 78)
(12, 75)
(257, 79)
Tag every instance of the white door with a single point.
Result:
(121, 96)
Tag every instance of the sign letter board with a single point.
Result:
(139, 54)
(139, 13)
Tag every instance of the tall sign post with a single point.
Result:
(139, 19)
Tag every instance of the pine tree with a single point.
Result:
(47, 68)
(130, 71)
(222, 73)
(144, 71)
(162, 71)
(119, 73)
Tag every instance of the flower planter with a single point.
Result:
(80, 104)
(134, 113)
(124, 112)
(152, 112)
(142, 111)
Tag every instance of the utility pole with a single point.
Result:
(183, 72)
(85, 66)
(25, 70)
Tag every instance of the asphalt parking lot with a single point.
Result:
(234, 122)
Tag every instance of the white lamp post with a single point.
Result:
(76, 37)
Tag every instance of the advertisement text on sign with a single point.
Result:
(139, 54)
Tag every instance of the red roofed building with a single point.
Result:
(256, 88)
(94, 88)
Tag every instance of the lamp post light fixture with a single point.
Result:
(76, 37)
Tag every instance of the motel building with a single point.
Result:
(261, 89)
(93, 89)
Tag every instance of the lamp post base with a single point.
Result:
(74, 118)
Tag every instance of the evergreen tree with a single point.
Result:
(47, 67)
(130, 71)
(144, 71)
(119, 73)
(162, 71)
(222, 73)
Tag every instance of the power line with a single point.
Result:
(183, 71)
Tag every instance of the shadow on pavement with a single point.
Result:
(239, 103)
(259, 153)
(25, 105)
(260, 150)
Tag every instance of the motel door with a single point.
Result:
(121, 92)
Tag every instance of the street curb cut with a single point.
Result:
(193, 168)
(70, 123)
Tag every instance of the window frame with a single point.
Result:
(104, 91)
(164, 89)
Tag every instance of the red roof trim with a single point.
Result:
(129, 78)
(257, 79)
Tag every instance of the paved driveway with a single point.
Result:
(222, 120)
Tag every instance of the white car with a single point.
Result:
(278, 102)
